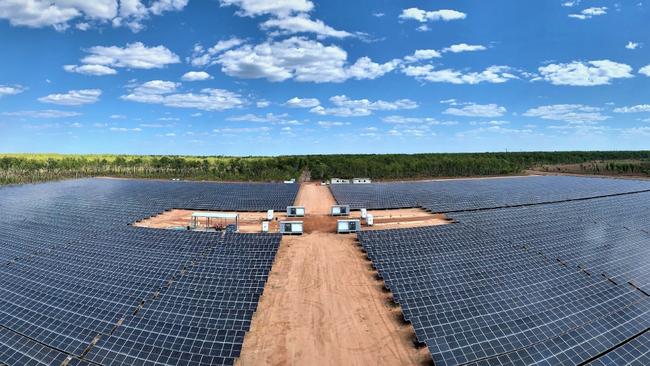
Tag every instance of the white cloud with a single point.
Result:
(73, 97)
(645, 70)
(571, 113)
(203, 57)
(493, 74)
(464, 47)
(346, 107)
(117, 116)
(302, 23)
(422, 55)
(423, 16)
(196, 76)
(10, 90)
(59, 14)
(46, 113)
(632, 45)
(262, 103)
(299, 59)
(571, 3)
(280, 8)
(589, 13)
(124, 129)
(296, 102)
(365, 68)
(477, 110)
(134, 56)
(329, 124)
(592, 73)
(165, 93)
(401, 120)
(267, 118)
(97, 70)
(634, 109)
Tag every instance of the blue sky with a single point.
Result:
(261, 77)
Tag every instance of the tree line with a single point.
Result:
(24, 168)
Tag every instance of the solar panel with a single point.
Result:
(475, 194)
(73, 271)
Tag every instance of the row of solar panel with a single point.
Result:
(473, 296)
(73, 269)
(601, 236)
(460, 195)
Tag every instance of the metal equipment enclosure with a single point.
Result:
(339, 181)
(340, 210)
(361, 181)
(291, 227)
(348, 226)
(295, 211)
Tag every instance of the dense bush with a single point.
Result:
(19, 168)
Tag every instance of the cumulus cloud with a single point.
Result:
(11, 90)
(205, 57)
(302, 23)
(196, 76)
(133, 55)
(346, 107)
(571, 113)
(477, 110)
(633, 109)
(287, 17)
(46, 113)
(299, 59)
(645, 70)
(296, 102)
(97, 70)
(402, 120)
(419, 55)
(280, 8)
(73, 97)
(589, 13)
(493, 74)
(464, 47)
(423, 16)
(165, 93)
(592, 73)
(60, 13)
(632, 45)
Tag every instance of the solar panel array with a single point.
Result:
(606, 236)
(475, 194)
(474, 297)
(559, 281)
(78, 284)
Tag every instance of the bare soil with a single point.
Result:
(249, 222)
(322, 304)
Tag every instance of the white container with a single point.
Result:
(340, 210)
(364, 213)
(265, 226)
(370, 220)
(295, 211)
(348, 226)
(291, 227)
(269, 215)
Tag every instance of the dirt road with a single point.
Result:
(322, 305)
